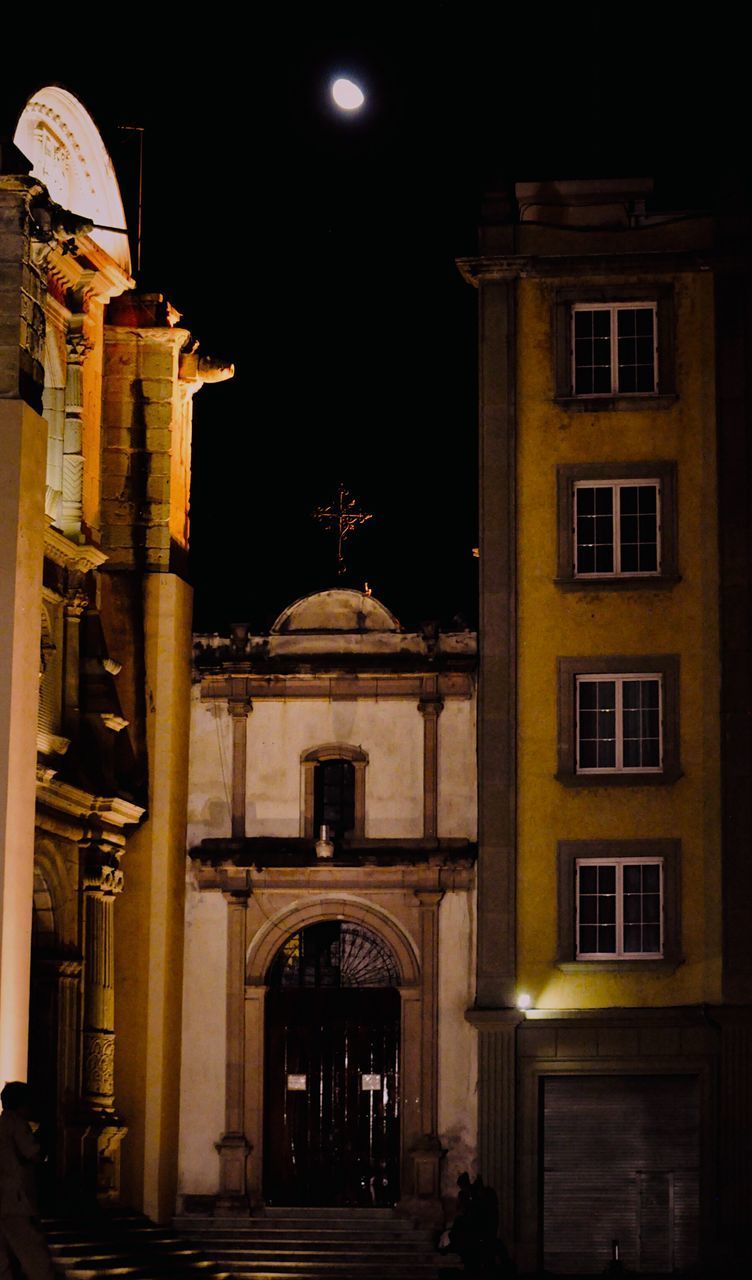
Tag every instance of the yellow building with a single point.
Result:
(613, 973)
(96, 384)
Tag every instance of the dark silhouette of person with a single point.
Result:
(21, 1236)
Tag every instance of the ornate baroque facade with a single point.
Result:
(96, 384)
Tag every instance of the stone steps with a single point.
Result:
(319, 1244)
(124, 1245)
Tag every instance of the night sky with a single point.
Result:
(316, 250)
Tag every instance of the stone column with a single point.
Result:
(430, 706)
(73, 460)
(239, 707)
(427, 1152)
(233, 1146)
(102, 879)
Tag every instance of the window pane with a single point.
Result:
(651, 938)
(592, 352)
(632, 879)
(632, 937)
(606, 879)
(635, 349)
(594, 551)
(607, 939)
(606, 909)
(588, 879)
(651, 878)
(640, 724)
(588, 908)
(588, 939)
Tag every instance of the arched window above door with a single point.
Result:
(334, 791)
(334, 953)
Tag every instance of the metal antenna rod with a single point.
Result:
(137, 128)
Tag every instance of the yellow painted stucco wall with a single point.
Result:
(680, 620)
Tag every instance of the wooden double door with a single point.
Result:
(332, 1096)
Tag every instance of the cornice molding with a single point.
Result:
(62, 798)
(485, 268)
(422, 878)
(83, 556)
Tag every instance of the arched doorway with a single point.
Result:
(332, 1089)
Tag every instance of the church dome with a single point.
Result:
(339, 609)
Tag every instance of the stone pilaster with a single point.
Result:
(496, 1107)
(73, 458)
(239, 707)
(430, 706)
(102, 880)
(233, 1146)
(426, 1153)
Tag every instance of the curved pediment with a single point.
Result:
(58, 136)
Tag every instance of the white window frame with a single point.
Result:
(619, 680)
(619, 864)
(617, 486)
(614, 308)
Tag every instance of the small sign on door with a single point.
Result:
(296, 1084)
(370, 1084)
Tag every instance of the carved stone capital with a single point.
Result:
(100, 872)
(78, 345)
(76, 602)
(239, 707)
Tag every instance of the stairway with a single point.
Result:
(319, 1244)
(124, 1244)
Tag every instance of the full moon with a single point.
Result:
(347, 95)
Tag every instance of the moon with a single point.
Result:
(348, 95)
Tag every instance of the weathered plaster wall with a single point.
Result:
(458, 1041)
(202, 1075)
(682, 620)
(458, 805)
(210, 770)
(391, 732)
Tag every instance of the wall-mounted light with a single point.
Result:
(524, 1001)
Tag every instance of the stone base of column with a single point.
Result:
(423, 1201)
(101, 1134)
(234, 1150)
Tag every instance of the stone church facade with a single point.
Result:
(331, 898)
(96, 388)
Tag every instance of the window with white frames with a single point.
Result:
(614, 348)
(619, 721)
(619, 906)
(617, 528)
(617, 525)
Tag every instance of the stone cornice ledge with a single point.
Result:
(327, 879)
(81, 806)
(514, 266)
(83, 556)
(494, 1019)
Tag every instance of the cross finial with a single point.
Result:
(343, 518)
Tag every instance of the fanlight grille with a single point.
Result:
(334, 954)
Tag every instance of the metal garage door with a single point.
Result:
(620, 1163)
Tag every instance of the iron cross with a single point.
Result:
(341, 517)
